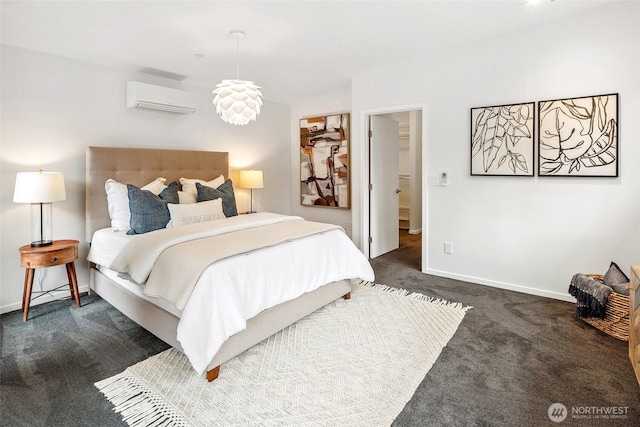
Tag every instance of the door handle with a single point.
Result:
(398, 191)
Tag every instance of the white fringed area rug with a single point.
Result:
(353, 362)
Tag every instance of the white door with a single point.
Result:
(384, 183)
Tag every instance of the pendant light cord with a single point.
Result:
(237, 56)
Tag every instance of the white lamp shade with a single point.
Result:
(251, 179)
(39, 187)
(237, 101)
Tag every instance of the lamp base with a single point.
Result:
(41, 225)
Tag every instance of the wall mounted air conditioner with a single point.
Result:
(144, 96)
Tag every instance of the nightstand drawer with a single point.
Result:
(49, 259)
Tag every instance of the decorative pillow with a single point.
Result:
(148, 211)
(621, 288)
(186, 198)
(615, 276)
(189, 186)
(224, 192)
(118, 201)
(195, 212)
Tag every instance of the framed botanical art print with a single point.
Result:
(578, 136)
(502, 140)
(324, 161)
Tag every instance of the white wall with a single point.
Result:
(53, 107)
(335, 102)
(528, 234)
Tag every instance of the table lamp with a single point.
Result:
(40, 189)
(251, 179)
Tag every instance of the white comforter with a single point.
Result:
(235, 289)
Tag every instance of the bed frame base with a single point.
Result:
(164, 325)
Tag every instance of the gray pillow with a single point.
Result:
(615, 276)
(224, 192)
(621, 288)
(148, 211)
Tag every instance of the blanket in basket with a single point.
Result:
(591, 295)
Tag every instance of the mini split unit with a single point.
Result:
(144, 96)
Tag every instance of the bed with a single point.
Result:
(167, 321)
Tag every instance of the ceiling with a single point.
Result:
(292, 49)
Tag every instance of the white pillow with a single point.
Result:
(185, 197)
(189, 186)
(118, 201)
(195, 212)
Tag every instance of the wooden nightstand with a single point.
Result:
(60, 252)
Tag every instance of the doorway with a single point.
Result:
(406, 185)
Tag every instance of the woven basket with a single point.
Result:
(616, 316)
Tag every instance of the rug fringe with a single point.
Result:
(137, 403)
(414, 295)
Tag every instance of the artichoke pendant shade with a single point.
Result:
(237, 101)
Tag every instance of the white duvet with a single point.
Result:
(235, 289)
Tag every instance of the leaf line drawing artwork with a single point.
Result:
(502, 140)
(579, 136)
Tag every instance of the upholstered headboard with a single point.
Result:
(140, 166)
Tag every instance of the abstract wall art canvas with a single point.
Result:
(502, 140)
(324, 161)
(578, 136)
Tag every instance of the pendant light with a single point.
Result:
(237, 101)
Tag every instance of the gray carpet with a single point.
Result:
(513, 356)
(49, 363)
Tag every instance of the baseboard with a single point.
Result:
(495, 284)
(54, 295)
(403, 213)
(416, 231)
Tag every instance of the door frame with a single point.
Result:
(365, 169)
